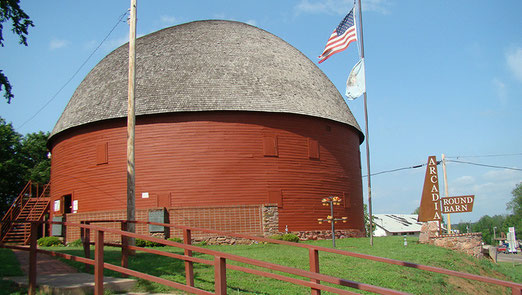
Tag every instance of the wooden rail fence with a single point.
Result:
(313, 276)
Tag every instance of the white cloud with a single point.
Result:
(381, 6)
(324, 6)
(252, 22)
(57, 44)
(514, 62)
(340, 7)
(169, 20)
(464, 180)
(115, 43)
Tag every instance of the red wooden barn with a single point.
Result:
(236, 130)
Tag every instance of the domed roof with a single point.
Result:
(207, 66)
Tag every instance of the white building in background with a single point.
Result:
(396, 225)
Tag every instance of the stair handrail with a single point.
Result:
(27, 234)
(40, 196)
(18, 199)
(15, 209)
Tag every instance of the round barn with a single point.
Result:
(236, 130)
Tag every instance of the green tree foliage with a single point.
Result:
(515, 205)
(367, 221)
(22, 158)
(10, 171)
(34, 160)
(10, 11)
(502, 223)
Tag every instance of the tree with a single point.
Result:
(367, 221)
(10, 171)
(33, 156)
(515, 205)
(10, 11)
(22, 158)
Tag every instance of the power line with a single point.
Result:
(399, 169)
(75, 73)
(454, 161)
(486, 156)
(484, 165)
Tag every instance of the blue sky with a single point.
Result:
(442, 77)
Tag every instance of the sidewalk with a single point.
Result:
(56, 277)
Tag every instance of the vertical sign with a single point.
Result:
(56, 205)
(430, 202)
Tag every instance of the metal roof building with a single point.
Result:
(396, 224)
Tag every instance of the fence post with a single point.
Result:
(516, 291)
(86, 244)
(98, 263)
(124, 248)
(220, 275)
(32, 259)
(189, 268)
(314, 267)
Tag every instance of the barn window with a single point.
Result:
(270, 146)
(102, 153)
(313, 149)
(346, 201)
(275, 197)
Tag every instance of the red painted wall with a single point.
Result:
(215, 158)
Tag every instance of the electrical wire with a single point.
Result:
(485, 156)
(77, 71)
(399, 169)
(484, 165)
(455, 161)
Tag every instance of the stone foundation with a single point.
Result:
(327, 235)
(270, 220)
(471, 243)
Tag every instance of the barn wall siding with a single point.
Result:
(215, 158)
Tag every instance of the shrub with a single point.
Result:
(49, 242)
(177, 240)
(286, 237)
(145, 243)
(77, 243)
(202, 243)
(291, 238)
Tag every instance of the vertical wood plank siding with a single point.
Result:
(215, 158)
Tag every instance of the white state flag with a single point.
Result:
(356, 84)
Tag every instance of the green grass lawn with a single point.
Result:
(376, 273)
(9, 266)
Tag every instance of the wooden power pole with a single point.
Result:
(131, 123)
(446, 189)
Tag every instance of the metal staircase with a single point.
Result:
(30, 205)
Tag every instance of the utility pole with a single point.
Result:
(131, 124)
(446, 188)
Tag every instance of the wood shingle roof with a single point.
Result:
(207, 66)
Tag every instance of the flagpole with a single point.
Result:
(367, 135)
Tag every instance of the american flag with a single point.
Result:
(341, 37)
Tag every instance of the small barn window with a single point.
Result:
(102, 153)
(313, 149)
(270, 146)
(275, 197)
(346, 201)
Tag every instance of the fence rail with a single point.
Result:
(312, 277)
